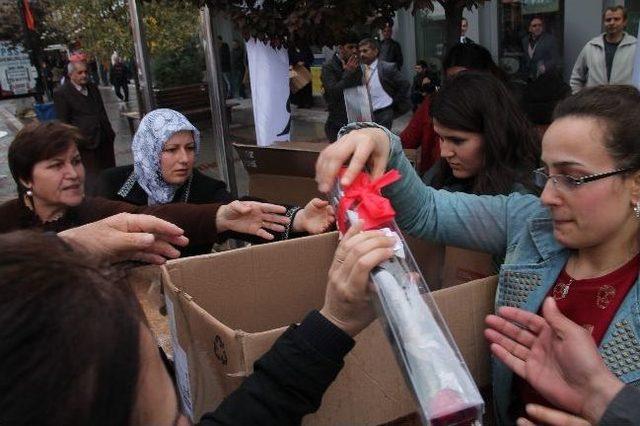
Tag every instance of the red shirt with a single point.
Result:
(592, 303)
(419, 133)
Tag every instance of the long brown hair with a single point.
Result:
(478, 102)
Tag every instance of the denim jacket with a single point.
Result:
(519, 227)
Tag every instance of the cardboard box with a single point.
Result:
(284, 172)
(227, 309)
(462, 265)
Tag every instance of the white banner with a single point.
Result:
(269, 73)
(636, 63)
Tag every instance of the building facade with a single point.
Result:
(499, 25)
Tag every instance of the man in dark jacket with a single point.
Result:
(388, 88)
(390, 50)
(540, 51)
(340, 72)
(78, 102)
(119, 78)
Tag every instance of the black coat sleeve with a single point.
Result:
(289, 380)
(624, 409)
(335, 81)
(61, 105)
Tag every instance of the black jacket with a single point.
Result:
(545, 53)
(396, 85)
(334, 80)
(203, 189)
(85, 112)
(391, 51)
(119, 183)
(288, 382)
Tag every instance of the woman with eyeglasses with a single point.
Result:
(577, 243)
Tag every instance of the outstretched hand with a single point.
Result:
(251, 217)
(127, 236)
(556, 356)
(316, 217)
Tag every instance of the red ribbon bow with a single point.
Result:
(373, 209)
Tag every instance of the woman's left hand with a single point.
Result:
(316, 217)
(251, 217)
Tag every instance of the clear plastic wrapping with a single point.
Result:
(434, 368)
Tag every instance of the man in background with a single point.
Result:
(388, 88)
(607, 58)
(78, 102)
(390, 50)
(341, 72)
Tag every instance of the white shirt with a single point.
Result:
(81, 89)
(379, 98)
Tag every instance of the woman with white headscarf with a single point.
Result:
(165, 148)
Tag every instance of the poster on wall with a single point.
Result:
(530, 7)
(17, 74)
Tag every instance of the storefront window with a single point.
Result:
(518, 54)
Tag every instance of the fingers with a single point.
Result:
(137, 244)
(560, 324)
(264, 234)
(524, 422)
(145, 257)
(267, 207)
(364, 251)
(331, 160)
(319, 203)
(275, 218)
(510, 330)
(272, 226)
(180, 241)
(552, 416)
(531, 321)
(515, 364)
(151, 224)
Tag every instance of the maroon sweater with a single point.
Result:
(197, 220)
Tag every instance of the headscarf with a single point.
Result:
(154, 130)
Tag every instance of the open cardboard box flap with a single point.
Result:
(227, 309)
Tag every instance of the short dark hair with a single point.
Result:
(37, 142)
(422, 63)
(348, 37)
(616, 8)
(464, 19)
(474, 57)
(538, 17)
(70, 349)
(478, 102)
(617, 107)
(373, 43)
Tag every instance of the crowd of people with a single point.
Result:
(557, 205)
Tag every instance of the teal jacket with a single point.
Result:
(519, 228)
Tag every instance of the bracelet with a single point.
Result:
(291, 214)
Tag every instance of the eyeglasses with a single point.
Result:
(540, 178)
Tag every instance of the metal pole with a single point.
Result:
(142, 57)
(219, 124)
